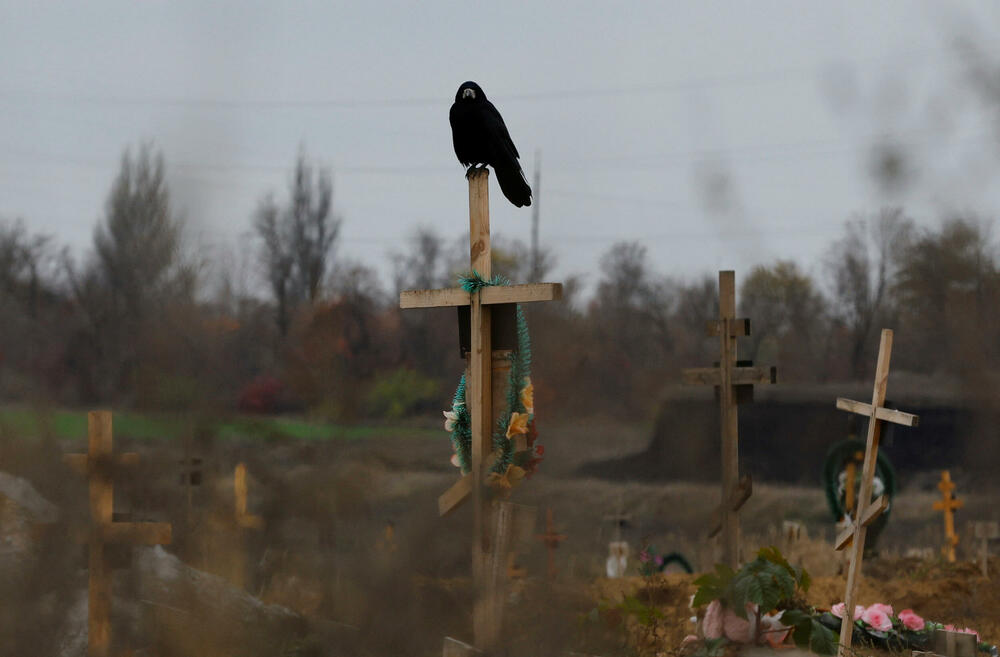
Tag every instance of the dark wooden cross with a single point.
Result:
(985, 532)
(551, 540)
(485, 379)
(948, 504)
(733, 380)
(98, 465)
(868, 510)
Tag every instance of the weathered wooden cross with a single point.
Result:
(986, 532)
(551, 540)
(485, 380)
(948, 504)
(98, 465)
(733, 380)
(244, 521)
(868, 510)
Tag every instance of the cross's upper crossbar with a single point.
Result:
(741, 375)
(881, 413)
(456, 296)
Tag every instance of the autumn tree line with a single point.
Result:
(287, 323)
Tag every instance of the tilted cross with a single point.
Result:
(98, 465)
(868, 510)
(484, 393)
(948, 504)
(734, 381)
(551, 540)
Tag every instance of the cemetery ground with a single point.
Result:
(350, 556)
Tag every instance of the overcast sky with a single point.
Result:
(719, 134)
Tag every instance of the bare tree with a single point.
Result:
(297, 241)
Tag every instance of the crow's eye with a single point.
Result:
(469, 93)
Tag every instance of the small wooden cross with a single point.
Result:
(948, 504)
(620, 518)
(98, 465)
(867, 510)
(733, 381)
(551, 540)
(484, 397)
(986, 532)
(243, 521)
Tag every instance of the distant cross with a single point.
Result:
(620, 518)
(986, 532)
(733, 380)
(98, 465)
(948, 504)
(484, 398)
(551, 540)
(243, 521)
(851, 479)
(867, 509)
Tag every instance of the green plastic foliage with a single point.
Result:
(809, 634)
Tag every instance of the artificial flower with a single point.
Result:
(518, 424)
(528, 396)
(886, 609)
(454, 460)
(877, 618)
(773, 630)
(711, 626)
(738, 629)
(508, 479)
(910, 620)
(969, 630)
(450, 417)
(838, 610)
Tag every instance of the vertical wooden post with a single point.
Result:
(728, 419)
(101, 489)
(865, 494)
(480, 405)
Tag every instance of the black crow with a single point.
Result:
(481, 138)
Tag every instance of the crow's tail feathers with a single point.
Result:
(513, 185)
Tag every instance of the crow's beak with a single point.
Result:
(469, 93)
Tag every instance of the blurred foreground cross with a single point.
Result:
(867, 509)
(733, 380)
(98, 465)
(485, 379)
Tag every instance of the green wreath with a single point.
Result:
(518, 418)
(834, 465)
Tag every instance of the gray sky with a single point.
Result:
(719, 134)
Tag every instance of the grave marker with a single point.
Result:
(98, 465)
(484, 389)
(551, 540)
(733, 380)
(948, 504)
(986, 532)
(867, 509)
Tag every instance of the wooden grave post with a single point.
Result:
(484, 391)
(985, 532)
(948, 504)
(733, 380)
(244, 521)
(867, 510)
(98, 465)
(551, 540)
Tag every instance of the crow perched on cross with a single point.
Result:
(481, 138)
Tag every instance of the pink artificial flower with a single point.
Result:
(886, 609)
(838, 610)
(969, 630)
(877, 618)
(910, 620)
(711, 626)
(690, 638)
(735, 628)
(773, 630)
(950, 628)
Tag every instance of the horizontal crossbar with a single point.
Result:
(881, 413)
(136, 533)
(494, 294)
(710, 376)
(79, 461)
(872, 512)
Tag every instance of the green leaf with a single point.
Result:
(805, 581)
(713, 586)
(823, 640)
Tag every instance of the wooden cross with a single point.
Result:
(243, 521)
(948, 504)
(733, 380)
(867, 510)
(986, 531)
(484, 393)
(98, 465)
(620, 518)
(851, 478)
(551, 540)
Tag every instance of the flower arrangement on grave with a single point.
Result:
(651, 561)
(835, 485)
(517, 419)
(764, 602)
